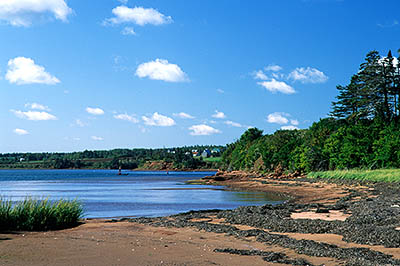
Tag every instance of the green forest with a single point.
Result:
(361, 132)
(177, 158)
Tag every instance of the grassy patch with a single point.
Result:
(212, 159)
(39, 215)
(384, 175)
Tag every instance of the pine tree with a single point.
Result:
(373, 93)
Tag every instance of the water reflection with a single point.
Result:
(104, 194)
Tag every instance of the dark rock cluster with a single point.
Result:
(373, 221)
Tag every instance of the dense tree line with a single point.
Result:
(181, 158)
(362, 132)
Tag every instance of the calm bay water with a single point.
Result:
(105, 194)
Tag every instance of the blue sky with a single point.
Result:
(75, 75)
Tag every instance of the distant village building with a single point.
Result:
(22, 159)
(206, 153)
(215, 150)
(195, 153)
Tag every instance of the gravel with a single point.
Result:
(373, 222)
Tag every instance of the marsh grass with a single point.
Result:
(39, 215)
(381, 175)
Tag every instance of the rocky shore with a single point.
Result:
(322, 223)
(366, 218)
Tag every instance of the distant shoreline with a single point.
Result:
(131, 170)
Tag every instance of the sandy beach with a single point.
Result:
(312, 232)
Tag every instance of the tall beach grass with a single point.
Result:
(39, 215)
(381, 175)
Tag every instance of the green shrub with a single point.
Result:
(39, 215)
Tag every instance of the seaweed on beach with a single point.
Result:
(373, 221)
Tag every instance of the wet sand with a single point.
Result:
(187, 240)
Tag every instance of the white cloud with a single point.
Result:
(97, 138)
(137, 15)
(128, 31)
(20, 131)
(274, 68)
(294, 122)
(395, 61)
(308, 75)
(34, 115)
(278, 118)
(37, 106)
(233, 124)
(203, 130)
(161, 69)
(219, 115)
(183, 115)
(220, 91)
(389, 25)
(260, 75)
(94, 111)
(289, 128)
(80, 123)
(158, 120)
(22, 70)
(24, 12)
(127, 117)
(277, 86)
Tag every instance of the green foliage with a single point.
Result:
(273, 150)
(363, 132)
(39, 215)
(381, 175)
(373, 93)
(113, 159)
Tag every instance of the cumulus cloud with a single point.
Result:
(289, 127)
(34, 115)
(37, 106)
(22, 70)
(97, 138)
(20, 131)
(94, 111)
(183, 115)
(24, 12)
(158, 120)
(219, 115)
(203, 130)
(233, 124)
(283, 119)
(278, 118)
(276, 81)
(274, 68)
(137, 15)
(260, 75)
(277, 86)
(161, 69)
(308, 75)
(127, 117)
(128, 31)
